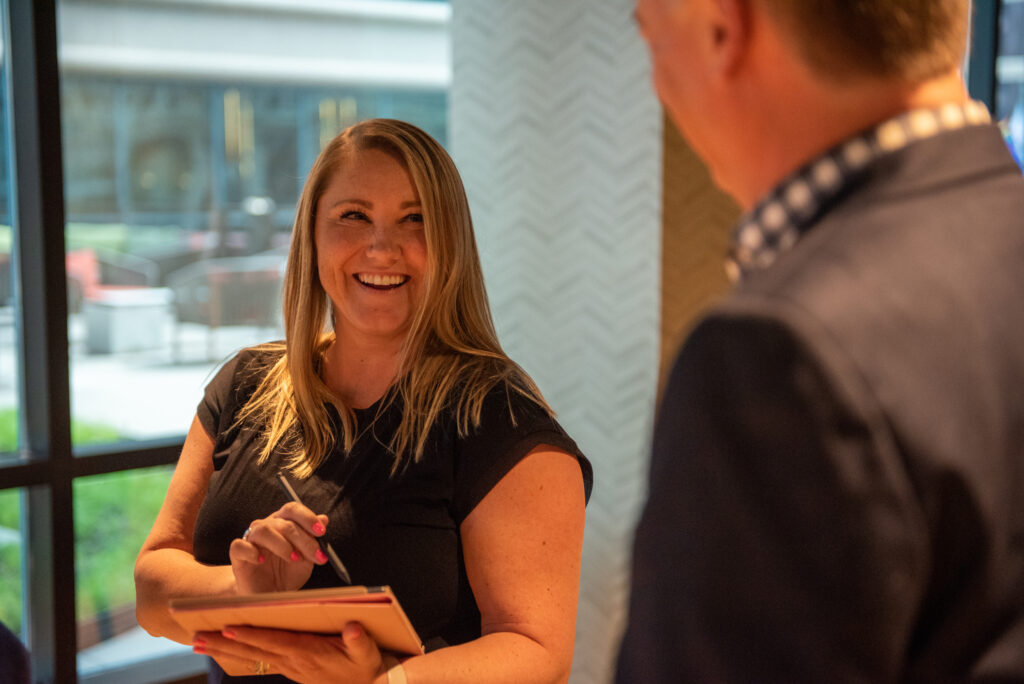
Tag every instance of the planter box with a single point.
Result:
(120, 319)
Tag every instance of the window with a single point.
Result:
(1009, 95)
(173, 164)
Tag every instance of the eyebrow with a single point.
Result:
(369, 205)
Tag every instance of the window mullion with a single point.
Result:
(45, 433)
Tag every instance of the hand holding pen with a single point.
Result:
(325, 546)
(277, 553)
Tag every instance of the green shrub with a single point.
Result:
(113, 514)
(10, 563)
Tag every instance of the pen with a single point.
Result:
(325, 546)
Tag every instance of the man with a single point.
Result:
(837, 479)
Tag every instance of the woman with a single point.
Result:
(425, 456)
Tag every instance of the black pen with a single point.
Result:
(325, 546)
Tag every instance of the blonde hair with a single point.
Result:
(451, 358)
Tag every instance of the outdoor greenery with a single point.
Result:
(10, 562)
(113, 514)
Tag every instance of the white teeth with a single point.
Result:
(380, 280)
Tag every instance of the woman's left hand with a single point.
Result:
(352, 658)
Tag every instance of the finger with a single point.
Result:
(282, 642)
(308, 521)
(236, 667)
(245, 552)
(359, 647)
(221, 648)
(299, 514)
(282, 538)
(304, 544)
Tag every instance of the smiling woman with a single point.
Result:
(371, 257)
(425, 456)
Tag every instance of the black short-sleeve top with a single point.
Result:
(398, 529)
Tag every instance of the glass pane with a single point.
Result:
(9, 368)
(1010, 75)
(10, 559)
(183, 165)
(113, 515)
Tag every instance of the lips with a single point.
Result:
(378, 281)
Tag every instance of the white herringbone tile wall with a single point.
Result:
(557, 133)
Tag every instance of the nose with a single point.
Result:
(383, 244)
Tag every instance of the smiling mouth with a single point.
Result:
(381, 282)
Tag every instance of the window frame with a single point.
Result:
(46, 465)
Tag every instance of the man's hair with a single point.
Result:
(909, 40)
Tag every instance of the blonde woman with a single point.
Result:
(427, 458)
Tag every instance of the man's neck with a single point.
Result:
(820, 116)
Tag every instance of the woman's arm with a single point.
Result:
(278, 555)
(166, 567)
(522, 547)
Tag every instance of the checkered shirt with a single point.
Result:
(778, 220)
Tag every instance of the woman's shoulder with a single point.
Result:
(513, 420)
(512, 398)
(250, 361)
(238, 379)
(506, 409)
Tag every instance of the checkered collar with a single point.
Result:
(778, 220)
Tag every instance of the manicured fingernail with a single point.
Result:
(199, 642)
(318, 529)
(321, 557)
(261, 558)
(295, 556)
(228, 634)
(198, 648)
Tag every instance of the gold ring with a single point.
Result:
(259, 667)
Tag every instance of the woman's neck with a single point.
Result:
(359, 374)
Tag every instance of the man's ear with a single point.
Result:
(730, 39)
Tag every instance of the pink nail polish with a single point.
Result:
(261, 558)
(199, 642)
(201, 650)
(295, 556)
(318, 529)
(228, 634)
(321, 557)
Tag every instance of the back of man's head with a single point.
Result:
(904, 40)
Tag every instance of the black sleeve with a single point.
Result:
(510, 426)
(230, 388)
(217, 402)
(781, 541)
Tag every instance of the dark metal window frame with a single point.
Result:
(46, 466)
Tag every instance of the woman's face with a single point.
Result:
(371, 248)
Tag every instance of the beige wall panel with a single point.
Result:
(697, 220)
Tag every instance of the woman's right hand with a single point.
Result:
(277, 553)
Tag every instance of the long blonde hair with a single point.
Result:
(451, 358)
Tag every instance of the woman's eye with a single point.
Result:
(353, 215)
(414, 218)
